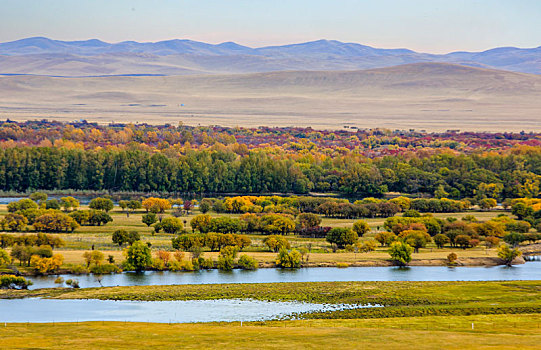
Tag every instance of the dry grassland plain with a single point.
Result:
(424, 96)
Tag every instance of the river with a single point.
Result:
(529, 271)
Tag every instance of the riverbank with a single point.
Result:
(317, 260)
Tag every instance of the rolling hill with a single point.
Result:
(431, 96)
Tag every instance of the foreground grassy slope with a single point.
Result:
(490, 332)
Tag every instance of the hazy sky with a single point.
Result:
(424, 25)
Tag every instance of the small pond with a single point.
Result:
(188, 311)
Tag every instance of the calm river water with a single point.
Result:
(529, 271)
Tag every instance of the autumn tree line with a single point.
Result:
(477, 176)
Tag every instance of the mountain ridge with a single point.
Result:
(44, 56)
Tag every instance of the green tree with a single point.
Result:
(22, 204)
(385, 238)
(342, 236)
(507, 254)
(98, 218)
(201, 223)
(100, 203)
(170, 225)
(149, 219)
(308, 220)
(14, 222)
(38, 197)
(55, 222)
(226, 259)
(4, 258)
(288, 259)
(514, 239)
(205, 205)
(521, 210)
(361, 227)
(276, 243)
(463, 241)
(138, 256)
(69, 203)
(247, 262)
(487, 203)
(441, 240)
(416, 238)
(400, 252)
(122, 236)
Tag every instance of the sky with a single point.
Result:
(434, 26)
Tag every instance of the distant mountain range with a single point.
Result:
(43, 56)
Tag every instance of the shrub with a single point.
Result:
(451, 258)
(73, 283)
(206, 263)
(367, 246)
(47, 265)
(103, 269)
(78, 269)
(14, 282)
(288, 259)
(247, 262)
(175, 265)
(342, 264)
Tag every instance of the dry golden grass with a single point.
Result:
(490, 332)
(432, 97)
